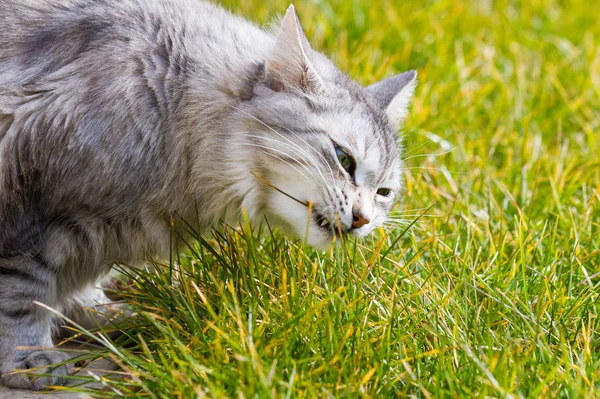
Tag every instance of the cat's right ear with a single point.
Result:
(289, 64)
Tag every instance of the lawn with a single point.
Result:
(488, 283)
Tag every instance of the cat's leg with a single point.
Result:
(92, 309)
(23, 280)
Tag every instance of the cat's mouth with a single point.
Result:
(326, 225)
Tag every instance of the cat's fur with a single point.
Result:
(119, 115)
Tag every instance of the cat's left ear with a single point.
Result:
(289, 65)
(394, 95)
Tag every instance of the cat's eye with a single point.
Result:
(346, 160)
(384, 192)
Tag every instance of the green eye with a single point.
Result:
(346, 160)
(384, 192)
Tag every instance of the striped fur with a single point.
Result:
(117, 116)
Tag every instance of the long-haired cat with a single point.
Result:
(117, 116)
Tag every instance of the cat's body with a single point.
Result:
(118, 116)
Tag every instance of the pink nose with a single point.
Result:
(359, 221)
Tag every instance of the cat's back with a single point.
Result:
(98, 53)
(41, 36)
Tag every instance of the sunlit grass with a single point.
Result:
(492, 293)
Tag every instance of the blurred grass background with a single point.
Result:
(494, 292)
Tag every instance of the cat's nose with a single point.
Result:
(359, 220)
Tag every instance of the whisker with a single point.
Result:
(286, 145)
(317, 188)
(429, 155)
(278, 133)
(455, 172)
(410, 210)
(414, 215)
(300, 161)
(280, 190)
(313, 148)
(270, 148)
(414, 150)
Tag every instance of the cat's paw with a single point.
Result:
(41, 362)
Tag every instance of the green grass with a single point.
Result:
(494, 292)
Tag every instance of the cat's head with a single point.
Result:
(316, 136)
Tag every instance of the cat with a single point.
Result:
(119, 116)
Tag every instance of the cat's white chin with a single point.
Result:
(294, 223)
(294, 220)
(319, 237)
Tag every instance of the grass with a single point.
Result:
(493, 292)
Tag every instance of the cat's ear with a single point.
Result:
(289, 64)
(394, 95)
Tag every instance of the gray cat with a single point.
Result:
(117, 116)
